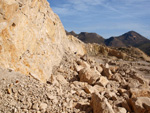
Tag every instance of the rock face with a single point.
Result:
(32, 37)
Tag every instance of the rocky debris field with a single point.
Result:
(80, 84)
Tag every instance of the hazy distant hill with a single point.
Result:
(130, 38)
(72, 33)
(88, 37)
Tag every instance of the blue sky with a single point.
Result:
(105, 17)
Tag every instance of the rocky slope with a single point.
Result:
(78, 77)
(80, 84)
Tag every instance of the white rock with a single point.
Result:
(103, 81)
(35, 106)
(43, 106)
(88, 75)
(61, 79)
(78, 67)
(90, 89)
(121, 110)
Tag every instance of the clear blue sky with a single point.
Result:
(105, 17)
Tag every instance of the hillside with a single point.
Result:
(130, 38)
(88, 37)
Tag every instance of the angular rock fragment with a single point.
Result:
(43, 106)
(140, 104)
(89, 76)
(100, 104)
(103, 81)
(106, 71)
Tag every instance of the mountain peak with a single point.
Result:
(72, 32)
(130, 38)
(90, 37)
(133, 34)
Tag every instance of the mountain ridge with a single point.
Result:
(86, 37)
(130, 38)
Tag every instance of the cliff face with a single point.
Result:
(32, 37)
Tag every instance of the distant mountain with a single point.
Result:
(71, 33)
(130, 38)
(88, 37)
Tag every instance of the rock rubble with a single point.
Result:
(65, 91)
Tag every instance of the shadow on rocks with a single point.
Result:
(84, 107)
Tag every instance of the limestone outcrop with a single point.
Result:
(32, 37)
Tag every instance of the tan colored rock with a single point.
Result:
(126, 106)
(140, 104)
(88, 75)
(79, 84)
(111, 95)
(61, 79)
(78, 67)
(32, 38)
(103, 81)
(113, 69)
(9, 90)
(100, 104)
(35, 106)
(51, 97)
(106, 71)
(118, 54)
(43, 106)
(99, 88)
(52, 80)
(140, 78)
(99, 68)
(84, 106)
(90, 89)
(83, 64)
(117, 77)
(84, 57)
(121, 110)
(76, 46)
(121, 91)
(136, 92)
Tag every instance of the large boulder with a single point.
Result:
(32, 38)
